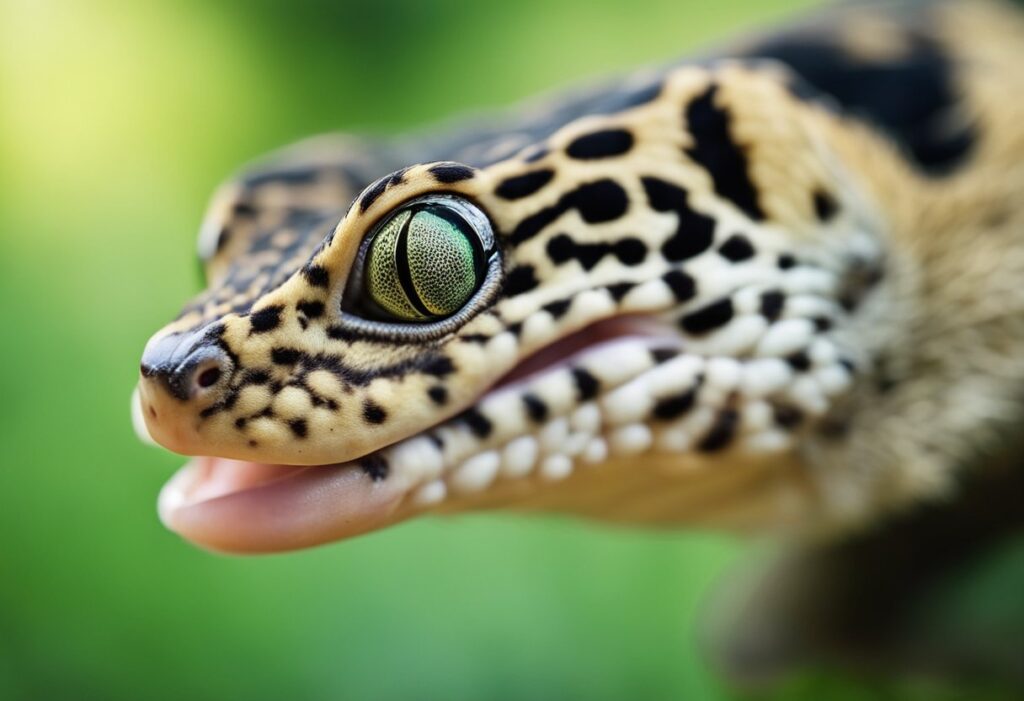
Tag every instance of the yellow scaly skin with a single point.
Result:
(758, 305)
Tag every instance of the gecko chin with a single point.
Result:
(246, 506)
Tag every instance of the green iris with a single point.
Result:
(423, 263)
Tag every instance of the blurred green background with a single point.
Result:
(117, 120)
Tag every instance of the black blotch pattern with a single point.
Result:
(709, 318)
(373, 412)
(722, 431)
(597, 202)
(558, 308)
(737, 248)
(372, 193)
(448, 173)
(479, 424)
(825, 205)
(715, 150)
(587, 385)
(619, 290)
(787, 416)
(660, 355)
(786, 261)
(438, 365)
(536, 409)
(909, 97)
(316, 275)
(266, 319)
(375, 466)
(222, 238)
(243, 210)
(298, 427)
(772, 302)
(520, 186)
(695, 232)
(438, 395)
(683, 286)
(799, 361)
(562, 248)
(313, 309)
(674, 406)
(600, 144)
(520, 279)
(475, 338)
(285, 356)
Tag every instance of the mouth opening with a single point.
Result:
(241, 506)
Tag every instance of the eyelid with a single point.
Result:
(490, 285)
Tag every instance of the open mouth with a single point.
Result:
(240, 506)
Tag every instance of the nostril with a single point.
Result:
(208, 377)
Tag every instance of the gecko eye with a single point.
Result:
(424, 262)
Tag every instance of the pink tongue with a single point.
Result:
(236, 506)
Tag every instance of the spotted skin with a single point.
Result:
(787, 218)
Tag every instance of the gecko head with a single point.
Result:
(589, 324)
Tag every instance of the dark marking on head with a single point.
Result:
(373, 412)
(709, 318)
(721, 432)
(787, 416)
(694, 233)
(313, 309)
(375, 466)
(478, 424)
(786, 261)
(298, 427)
(799, 361)
(438, 395)
(558, 308)
(619, 290)
(316, 275)
(660, 355)
(520, 279)
(674, 406)
(438, 366)
(535, 407)
(520, 186)
(587, 385)
(825, 205)
(716, 151)
(562, 248)
(683, 286)
(285, 356)
(449, 173)
(772, 302)
(600, 144)
(266, 319)
(737, 248)
(597, 202)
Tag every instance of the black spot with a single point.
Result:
(374, 413)
(298, 427)
(341, 333)
(596, 202)
(373, 193)
(536, 409)
(438, 395)
(799, 361)
(910, 96)
(772, 302)
(438, 365)
(240, 423)
(451, 172)
(660, 355)
(520, 279)
(723, 158)
(694, 233)
(316, 275)
(311, 308)
(222, 238)
(285, 356)
(673, 407)
(825, 205)
(480, 338)
(683, 286)
(619, 290)
(786, 261)
(711, 317)
(243, 210)
(265, 319)
(515, 328)
(375, 466)
(787, 416)
(600, 144)
(586, 384)
(721, 431)
(436, 440)
(822, 323)
(524, 185)
(479, 424)
(737, 248)
(255, 377)
(562, 248)
(558, 308)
